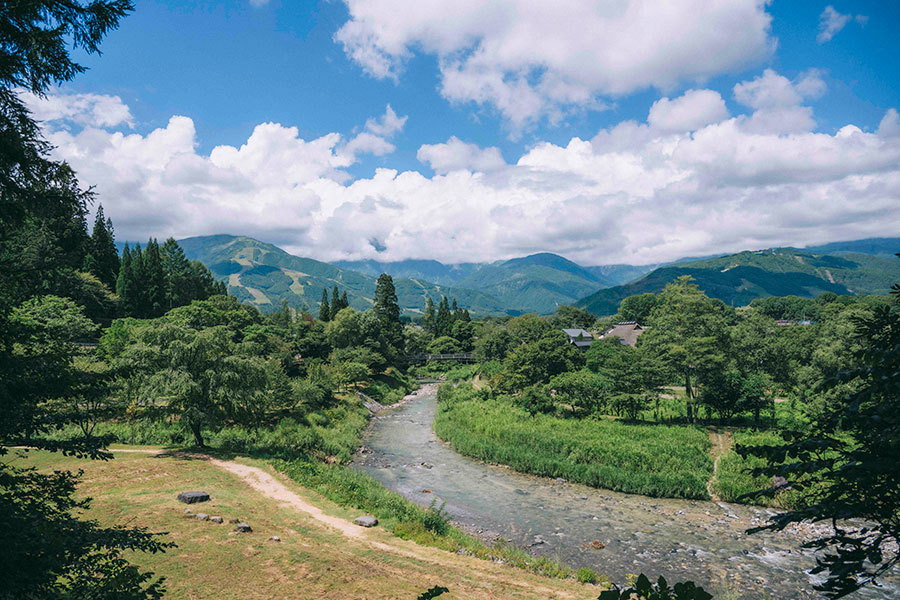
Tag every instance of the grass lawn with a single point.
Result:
(313, 560)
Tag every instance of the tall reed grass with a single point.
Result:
(654, 460)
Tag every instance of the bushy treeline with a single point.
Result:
(216, 364)
(725, 363)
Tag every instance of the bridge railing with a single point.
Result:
(466, 357)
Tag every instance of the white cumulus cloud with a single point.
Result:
(531, 58)
(831, 22)
(98, 110)
(455, 155)
(636, 192)
(778, 101)
(690, 111)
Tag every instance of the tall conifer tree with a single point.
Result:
(387, 310)
(138, 305)
(324, 308)
(124, 285)
(444, 320)
(335, 302)
(102, 260)
(428, 322)
(177, 268)
(155, 280)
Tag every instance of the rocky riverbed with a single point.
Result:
(613, 533)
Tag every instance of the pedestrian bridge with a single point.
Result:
(464, 357)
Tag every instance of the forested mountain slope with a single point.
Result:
(739, 278)
(537, 283)
(263, 275)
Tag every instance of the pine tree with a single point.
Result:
(387, 310)
(155, 280)
(102, 260)
(335, 302)
(181, 288)
(324, 309)
(138, 306)
(344, 302)
(444, 320)
(124, 286)
(428, 322)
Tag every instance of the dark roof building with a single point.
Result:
(580, 338)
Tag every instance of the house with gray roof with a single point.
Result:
(628, 333)
(580, 338)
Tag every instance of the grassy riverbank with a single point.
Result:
(314, 451)
(734, 479)
(654, 460)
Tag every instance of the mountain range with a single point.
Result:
(739, 278)
(263, 274)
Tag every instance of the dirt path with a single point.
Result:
(271, 487)
(264, 482)
(721, 443)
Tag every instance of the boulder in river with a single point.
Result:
(193, 497)
(366, 521)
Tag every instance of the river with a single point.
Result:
(679, 539)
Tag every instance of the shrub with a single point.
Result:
(585, 575)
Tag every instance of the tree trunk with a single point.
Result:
(198, 435)
(690, 396)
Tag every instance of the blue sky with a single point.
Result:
(326, 68)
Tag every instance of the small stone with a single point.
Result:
(234, 521)
(217, 519)
(426, 465)
(188, 512)
(274, 538)
(560, 480)
(193, 497)
(366, 521)
(243, 528)
(202, 516)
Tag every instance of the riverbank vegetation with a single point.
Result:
(666, 461)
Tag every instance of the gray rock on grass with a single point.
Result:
(193, 497)
(243, 528)
(202, 516)
(217, 519)
(366, 521)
